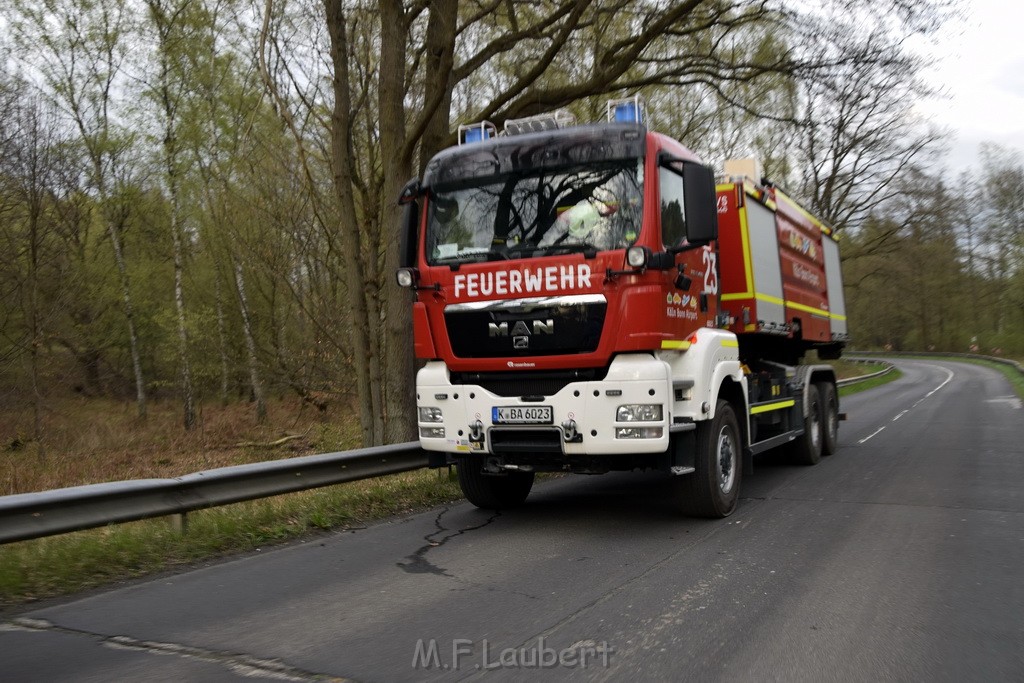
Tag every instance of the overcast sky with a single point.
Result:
(981, 68)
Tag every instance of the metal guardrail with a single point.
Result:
(863, 378)
(46, 513)
(943, 354)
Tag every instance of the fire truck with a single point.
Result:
(591, 298)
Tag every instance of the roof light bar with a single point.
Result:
(536, 124)
(628, 110)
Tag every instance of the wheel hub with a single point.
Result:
(726, 461)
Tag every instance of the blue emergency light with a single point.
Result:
(476, 132)
(476, 135)
(626, 110)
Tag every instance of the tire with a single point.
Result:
(806, 450)
(493, 491)
(829, 417)
(713, 489)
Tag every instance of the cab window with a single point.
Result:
(673, 224)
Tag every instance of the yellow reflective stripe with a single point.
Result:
(730, 343)
(767, 298)
(675, 345)
(778, 405)
(809, 309)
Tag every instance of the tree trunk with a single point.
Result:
(129, 314)
(222, 339)
(36, 336)
(399, 382)
(165, 26)
(187, 394)
(250, 343)
(370, 413)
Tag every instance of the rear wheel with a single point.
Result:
(493, 491)
(713, 489)
(829, 418)
(807, 447)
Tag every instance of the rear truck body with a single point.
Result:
(588, 299)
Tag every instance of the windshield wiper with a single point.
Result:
(588, 249)
(456, 260)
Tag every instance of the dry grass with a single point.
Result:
(90, 440)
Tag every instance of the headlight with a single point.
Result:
(638, 432)
(432, 432)
(431, 415)
(636, 257)
(406, 277)
(642, 412)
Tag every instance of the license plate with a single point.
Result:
(521, 415)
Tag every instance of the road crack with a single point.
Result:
(241, 664)
(417, 563)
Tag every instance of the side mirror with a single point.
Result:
(410, 192)
(701, 204)
(409, 230)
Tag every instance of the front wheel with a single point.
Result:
(493, 491)
(713, 489)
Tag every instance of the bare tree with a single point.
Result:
(85, 44)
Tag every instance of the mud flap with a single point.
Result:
(436, 459)
(682, 451)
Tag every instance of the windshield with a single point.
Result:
(589, 208)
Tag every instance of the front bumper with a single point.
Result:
(583, 413)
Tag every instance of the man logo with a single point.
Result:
(520, 342)
(520, 330)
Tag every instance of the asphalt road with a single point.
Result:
(901, 557)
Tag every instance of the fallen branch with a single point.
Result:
(269, 444)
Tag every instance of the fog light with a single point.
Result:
(638, 432)
(432, 432)
(642, 412)
(430, 414)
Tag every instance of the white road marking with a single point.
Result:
(1012, 401)
(868, 437)
(949, 378)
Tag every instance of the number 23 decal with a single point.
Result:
(710, 260)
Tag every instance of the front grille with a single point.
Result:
(517, 441)
(557, 326)
(538, 383)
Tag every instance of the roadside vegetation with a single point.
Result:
(870, 383)
(108, 450)
(1015, 377)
